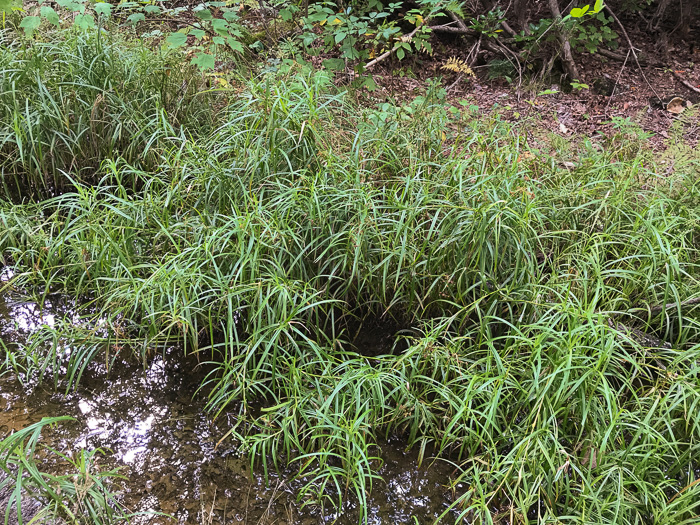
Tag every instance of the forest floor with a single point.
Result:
(616, 89)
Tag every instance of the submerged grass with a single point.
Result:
(29, 494)
(550, 349)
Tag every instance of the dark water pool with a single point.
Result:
(151, 424)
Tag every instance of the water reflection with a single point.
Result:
(156, 430)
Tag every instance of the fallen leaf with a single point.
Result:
(676, 106)
(563, 128)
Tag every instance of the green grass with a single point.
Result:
(80, 496)
(76, 101)
(262, 238)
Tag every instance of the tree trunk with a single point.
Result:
(568, 57)
(522, 15)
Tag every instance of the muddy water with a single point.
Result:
(151, 424)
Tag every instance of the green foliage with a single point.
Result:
(594, 35)
(585, 33)
(578, 12)
(489, 24)
(80, 497)
(262, 240)
(7, 6)
(211, 36)
(361, 35)
(113, 101)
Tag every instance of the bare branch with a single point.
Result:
(387, 54)
(629, 43)
(685, 82)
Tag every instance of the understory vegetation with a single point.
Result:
(79, 496)
(546, 289)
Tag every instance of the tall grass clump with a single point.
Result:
(549, 314)
(76, 99)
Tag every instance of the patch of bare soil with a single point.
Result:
(668, 72)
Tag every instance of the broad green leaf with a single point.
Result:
(234, 44)
(230, 15)
(152, 9)
(334, 64)
(204, 61)
(50, 15)
(204, 14)
(598, 6)
(7, 6)
(339, 36)
(103, 8)
(220, 26)
(370, 84)
(286, 14)
(84, 21)
(578, 12)
(198, 33)
(175, 40)
(30, 24)
(136, 18)
(71, 5)
(400, 53)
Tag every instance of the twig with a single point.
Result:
(474, 53)
(660, 308)
(497, 47)
(178, 21)
(449, 28)
(617, 80)
(617, 56)
(685, 82)
(454, 83)
(653, 310)
(508, 29)
(387, 54)
(458, 21)
(634, 53)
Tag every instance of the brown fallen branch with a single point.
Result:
(657, 309)
(449, 28)
(458, 21)
(184, 22)
(506, 26)
(642, 338)
(685, 82)
(662, 307)
(474, 53)
(618, 56)
(617, 81)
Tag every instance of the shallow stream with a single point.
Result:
(152, 426)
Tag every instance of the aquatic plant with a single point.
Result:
(33, 495)
(550, 317)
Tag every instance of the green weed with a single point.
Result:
(551, 342)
